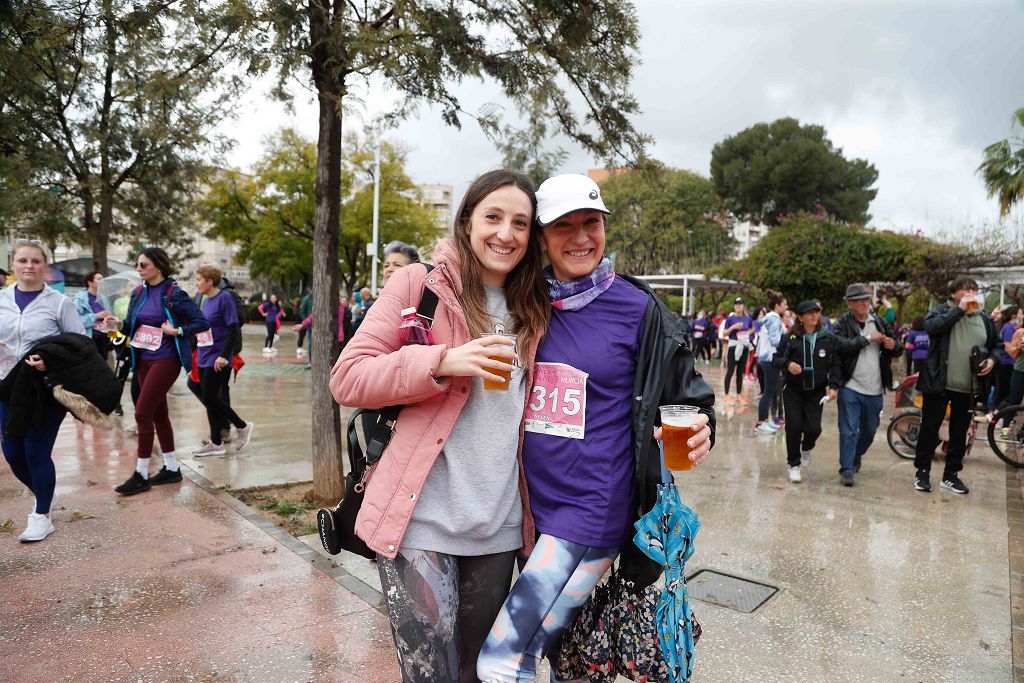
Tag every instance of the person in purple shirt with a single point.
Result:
(214, 350)
(160, 322)
(589, 455)
(271, 310)
(918, 343)
(1004, 371)
(739, 329)
(702, 339)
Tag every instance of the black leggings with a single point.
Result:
(441, 609)
(737, 365)
(702, 348)
(271, 331)
(218, 413)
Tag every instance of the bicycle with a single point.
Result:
(1005, 433)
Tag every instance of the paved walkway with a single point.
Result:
(877, 582)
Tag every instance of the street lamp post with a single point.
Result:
(376, 213)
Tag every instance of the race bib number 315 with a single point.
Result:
(557, 403)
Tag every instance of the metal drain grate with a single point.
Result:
(729, 591)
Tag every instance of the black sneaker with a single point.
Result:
(135, 484)
(953, 483)
(922, 481)
(119, 411)
(165, 476)
(846, 478)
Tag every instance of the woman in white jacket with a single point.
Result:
(29, 312)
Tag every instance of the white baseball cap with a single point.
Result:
(562, 194)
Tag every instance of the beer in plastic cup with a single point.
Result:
(974, 304)
(500, 386)
(676, 430)
(113, 327)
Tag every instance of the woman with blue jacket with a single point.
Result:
(160, 322)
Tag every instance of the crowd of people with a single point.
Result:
(530, 424)
(963, 359)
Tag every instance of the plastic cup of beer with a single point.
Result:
(676, 430)
(974, 304)
(113, 326)
(506, 374)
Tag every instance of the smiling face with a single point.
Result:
(29, 266)
(499, 231)
(574, 243)
(393, 262)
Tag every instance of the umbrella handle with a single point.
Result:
(666, 476)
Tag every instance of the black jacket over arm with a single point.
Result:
(666, 375)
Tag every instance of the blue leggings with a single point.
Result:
(554, 584)
(30, 456)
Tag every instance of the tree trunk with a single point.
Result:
(328, 473)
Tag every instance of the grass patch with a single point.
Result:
(290, 506)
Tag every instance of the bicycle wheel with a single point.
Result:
(1006, 435)
(902, 434)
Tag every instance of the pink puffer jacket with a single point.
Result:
(375, 371)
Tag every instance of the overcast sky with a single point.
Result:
(918, 88)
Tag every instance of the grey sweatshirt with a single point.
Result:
(470, 501)
(48, 314)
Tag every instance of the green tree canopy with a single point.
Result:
(1003, 168)
(270, 214)
(665, 220)
(571, 61)
(773, 169)
(106, 113)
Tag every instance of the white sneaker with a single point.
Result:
(209, 448)
(805, 458)
(273, 351)
(794, 475)
(266, 349)
(39, 527)
(299, 353)
(765, 428)
(244, 434)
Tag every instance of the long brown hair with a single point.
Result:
(525, 292)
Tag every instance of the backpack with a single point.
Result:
(337, 525)
(240, 310)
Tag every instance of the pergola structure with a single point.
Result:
(999, 277)
(689, 283)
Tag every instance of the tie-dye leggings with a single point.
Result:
(554, 584)
(441, 608)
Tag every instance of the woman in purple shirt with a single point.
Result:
(590, 458)
(160, 321)
(1004, 371)
(918, 343)
(214, 350)
(271, 310)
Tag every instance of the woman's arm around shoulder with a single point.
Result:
(375, 369)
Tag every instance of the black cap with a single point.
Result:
(807, 307)
(739, 300)
(4, 272)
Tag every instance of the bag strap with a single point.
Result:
(380, 435)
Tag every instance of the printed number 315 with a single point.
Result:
(570, 401)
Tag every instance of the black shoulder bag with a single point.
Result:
(337, 525)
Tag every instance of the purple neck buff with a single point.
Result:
(574, 295)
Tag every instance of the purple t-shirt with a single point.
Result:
(23, 299)
(920, 341)
(581, 490)
(221, 313)
(1007, 334)
(700, 329)
(94, 304)
(152, 313)
(748, 324)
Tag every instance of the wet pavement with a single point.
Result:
(877, 582)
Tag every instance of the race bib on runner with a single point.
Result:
(204, 338)
(557, 404)
(697, 334)
(148, 337)
(743, 335)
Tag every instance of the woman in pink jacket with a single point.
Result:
(445, 506)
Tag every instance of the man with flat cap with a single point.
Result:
(867, 345)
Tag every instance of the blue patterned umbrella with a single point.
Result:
(665, 534)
